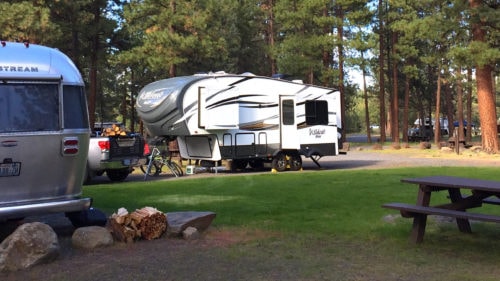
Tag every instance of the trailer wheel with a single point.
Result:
(118, 175)
(279, 162)
(295, 162)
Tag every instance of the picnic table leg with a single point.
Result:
(420, 220)
(463, 224)
(418, 228)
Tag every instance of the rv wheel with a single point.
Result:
(279, 162)
(295, 162)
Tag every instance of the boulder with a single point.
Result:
(91, 237)
(177, 222)
(30, 244)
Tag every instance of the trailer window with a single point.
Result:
(75, 108)
(26, 107)
(288, 112)
(317, 112)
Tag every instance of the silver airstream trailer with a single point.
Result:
(44, 132)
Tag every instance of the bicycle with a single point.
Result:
(157, 161)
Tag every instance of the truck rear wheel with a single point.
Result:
(118, 175)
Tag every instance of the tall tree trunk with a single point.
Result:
(460, 106)
(367, 113)
(270, 32)
(469, 105)
(340, 35)
(326, 54)
(381, 83)
(450, 112)
(485, 95)
(406, 108)
(132, 109)
(172, 70)
(395, 98)
(438, 107)
(93, 66)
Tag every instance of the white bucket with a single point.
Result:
(189, 170)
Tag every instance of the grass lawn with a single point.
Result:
(325, 225)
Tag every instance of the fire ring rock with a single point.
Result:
(30, 244)
(177, 222)
(91, 237)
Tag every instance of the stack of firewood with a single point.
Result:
(115, 130)
(146, 223)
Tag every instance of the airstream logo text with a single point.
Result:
(316, 132)
(13, 68)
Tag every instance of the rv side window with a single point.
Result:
(317, 112)
(75, 108)
(288, 112)
(27, 107)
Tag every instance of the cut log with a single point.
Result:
(147, 223)
(121, 232)
(152, 223)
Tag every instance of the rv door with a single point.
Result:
(288, 128)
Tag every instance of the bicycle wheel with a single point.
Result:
(176, 169)
(153, 169)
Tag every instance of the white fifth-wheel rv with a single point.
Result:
(248, 119)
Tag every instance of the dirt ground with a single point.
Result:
(211, 257)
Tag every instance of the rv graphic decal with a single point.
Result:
(13, 68)
(316, 132)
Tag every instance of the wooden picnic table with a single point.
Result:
(481, 191)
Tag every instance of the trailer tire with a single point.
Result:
(118, 174)
(279, 162)
(295, 162)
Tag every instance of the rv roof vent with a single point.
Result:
(298, 81)
(247, 74)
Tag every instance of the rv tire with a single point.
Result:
(295, 162)
(279, 162)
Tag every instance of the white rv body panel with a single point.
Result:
(289, 138)
(226, 116)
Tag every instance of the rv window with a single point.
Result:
(317, 112)
(75, 108)
(29, 107)
(288, 112)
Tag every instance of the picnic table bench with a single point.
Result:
(482, 192)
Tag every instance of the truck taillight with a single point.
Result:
(103, 145)
(70, 146)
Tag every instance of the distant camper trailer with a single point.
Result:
(44, 132)
(248, 119)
